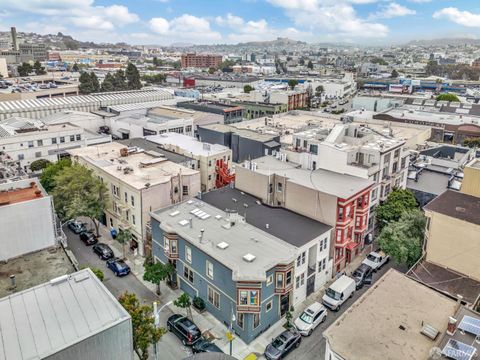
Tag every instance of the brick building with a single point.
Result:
(201, 60)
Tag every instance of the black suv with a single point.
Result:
(184, 328)
(362, 275)
(88, 237)
(283, 344)
(104, 251)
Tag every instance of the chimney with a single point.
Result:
(13, 281)
(452, 326)
(201, 235)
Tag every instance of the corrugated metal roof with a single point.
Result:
(47, 318)
(82, 99)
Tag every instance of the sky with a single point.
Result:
(165, 22)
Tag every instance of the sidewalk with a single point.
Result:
(206, 322)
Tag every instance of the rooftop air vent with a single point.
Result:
(218, 217)
(249, 257)
(223, 245)
(429, 331)
(184, 222)
(175, 213)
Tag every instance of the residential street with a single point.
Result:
(313, 347)
(170, 346)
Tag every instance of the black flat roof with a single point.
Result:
(291, 227)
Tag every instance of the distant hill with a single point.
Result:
(277, 42)
(445, 41)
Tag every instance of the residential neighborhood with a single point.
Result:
(241, 180)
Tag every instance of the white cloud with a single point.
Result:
(81, 13)
(465, 18)
(185, 28)
(392, 10)
(229, 20)
(337, 17)
(420, 1)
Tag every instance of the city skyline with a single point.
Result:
(164, 22)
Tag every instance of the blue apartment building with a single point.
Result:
(245, 274)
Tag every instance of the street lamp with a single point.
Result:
(156, 316)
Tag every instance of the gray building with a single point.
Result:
(231, 113)
(32, 52)
(245, 144)
(222, 249)
(70, 317)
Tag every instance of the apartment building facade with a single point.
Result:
(201, 60)
(138, 182)
(214, 161)
(225, 260)
(26, 140)
(339, 200)
(354, 150)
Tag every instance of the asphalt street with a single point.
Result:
(169, 346)
(313, 347)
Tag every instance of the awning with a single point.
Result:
(124, 131)
(351, 246)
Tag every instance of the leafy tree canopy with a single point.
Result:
(47, 179)
(144, 331)
(39, 164)
(292, 83)
(448, 97)
(398, 201)
(403, 239)
(247, 88)
(78, 193)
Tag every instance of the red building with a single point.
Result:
(351, 227)
(201, 60)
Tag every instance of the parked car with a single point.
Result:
(184, 329)
(283, 344)
(103, 250)
(313, 316)
(376, 259)
(118, 266)
(342, 289)
(76, 226)
(205, 346)
(88, 237)
(362, 276)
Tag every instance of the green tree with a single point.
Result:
(86, 86)
(75, 67)
(247, 88)
(310, 65)
(24, 69)
(95, 82)
(403, 239)
(145, 333)
(108, 83)
(292, 83)
(211, 70)
(471, 142)
(448, 97)
(39, 164)
(98, 273)
(124, 237)
(39, 69)
(78, 192)
(133, 77)
(47, 179)
(319, 90)
(398, 201)
(394, 74)
(289, 317)
(184, 302)
(119, 81)
(154, 79)
(155, 272)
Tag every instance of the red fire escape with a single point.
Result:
(223, 174)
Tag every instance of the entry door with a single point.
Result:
(349, 256)
(310, 285)
(284, 304)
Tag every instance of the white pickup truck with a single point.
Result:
(376, 259)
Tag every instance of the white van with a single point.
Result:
(339, 292)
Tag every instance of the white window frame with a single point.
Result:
(213, 292)
(188, 254)
(267, 305)
(269, 280)
(209, 273)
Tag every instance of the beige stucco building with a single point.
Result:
(209, 157)
(471, 178)
(138, 182)
(453, 233)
